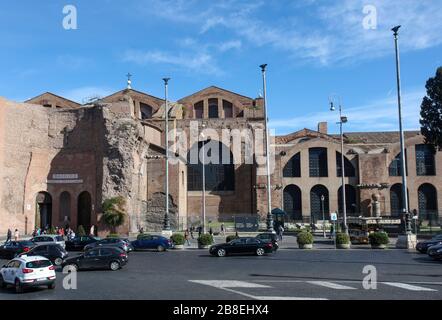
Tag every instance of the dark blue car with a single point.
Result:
(152, 242)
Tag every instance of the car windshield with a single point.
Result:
(26, 243)
(38, 264)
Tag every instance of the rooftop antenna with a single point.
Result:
(129, 81)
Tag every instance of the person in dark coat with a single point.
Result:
(8, 235)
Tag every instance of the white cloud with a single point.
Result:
(378, 115)
(201, 62)
(229, 45)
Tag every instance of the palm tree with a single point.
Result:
(114, 212)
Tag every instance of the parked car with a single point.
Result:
(49, 239)
(11, 249)
(112, 258)
(435, 252)
(247, 245)
(130, 247)
(422, 246)
(152, 242)
(22, 272)
(54, 252)
(269, 237)
(79, 242)
(108, 242)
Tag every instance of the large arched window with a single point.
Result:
(219, 167)
(427, 196)
(292, 202)
(349, 168)
(425, 160)
(317, 206)
(213, 108)
(318, 162)
(146, 111)
(396, 205)
(199, 110)
(394, 169)
(84, 210)
(350, 199)
(65, 207)
(293, 167)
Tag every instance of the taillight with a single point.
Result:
(26, 270)
(25, 249)
(269, 245)
(123, 255)
(51, 268)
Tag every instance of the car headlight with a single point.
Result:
(439, 250)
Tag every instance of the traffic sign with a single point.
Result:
(333, 216)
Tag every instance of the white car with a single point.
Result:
(49, 239)
(27, 271)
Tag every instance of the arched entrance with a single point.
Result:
(292, 202)
(316, 203)
(44, 210)
(84, 210)
(427, 197)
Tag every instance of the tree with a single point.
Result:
(114, 212)
(431, 111)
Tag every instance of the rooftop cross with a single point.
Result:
(129, 81)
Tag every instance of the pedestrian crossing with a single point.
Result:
(250, 289)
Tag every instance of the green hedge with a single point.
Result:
(205, 239)
(342, 238)
(231, 237)
(304, 237)
(178, 239)
(378, 238)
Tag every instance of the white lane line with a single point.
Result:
(226, 285)
(407, 286)
(230, 284)
(331, 285)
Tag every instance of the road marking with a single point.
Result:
(407, 286)
(331, 285)
(229, 284)
(226, 285)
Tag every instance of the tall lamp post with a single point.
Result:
(323, 215)
(204, 177)
(342, 120)
(405, 209)
(166, 224)
(269, 187)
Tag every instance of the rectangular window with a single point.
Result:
(425, 160)
(228, 109)
(213, 108)
(318, 162)
(199, 110)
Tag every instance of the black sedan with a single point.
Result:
(11, 249)
(112, 258)
(435, 252)
(110, 242)
(423, 246)
(269, 237)
(54, 252)
(247, 245)
(79, 242)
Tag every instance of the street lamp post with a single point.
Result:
(323, 215)
(405, 209)
(204, 179)
(342, 120)
(166, 117)
(269, 187)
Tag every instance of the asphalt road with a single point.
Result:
(288, 274)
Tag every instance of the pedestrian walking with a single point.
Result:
(210, 231)
(280, 231)
(8, 235)
(16, 235)
(92, 231)
(187, 236)
(223, 232)
(332, 231)
(200, 230)
(192, 228)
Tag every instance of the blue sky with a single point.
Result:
(314, 49)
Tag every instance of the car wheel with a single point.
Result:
(260, 252)
(51, 286)
(114, 265)
(58, 261)
(160, 248)
(221, 253)
(18, 286)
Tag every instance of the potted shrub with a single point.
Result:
(342, 241)
(305, 240)
(231, 237)
(178, 241)
(378, 240)
(204, 241)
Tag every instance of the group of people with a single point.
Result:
(188, 233)
(9, 235)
